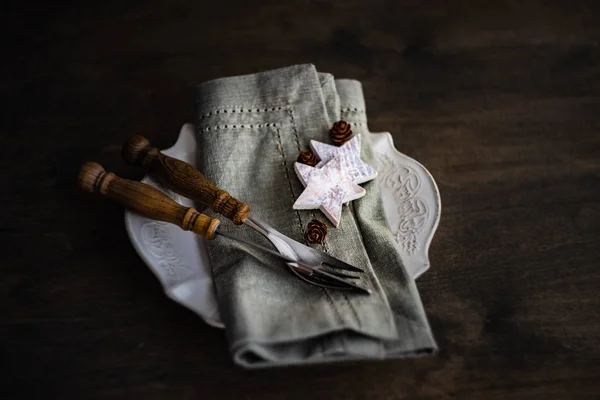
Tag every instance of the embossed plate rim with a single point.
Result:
(437, 197)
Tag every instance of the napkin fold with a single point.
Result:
(251, 129)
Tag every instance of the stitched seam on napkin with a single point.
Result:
(348, 109)
(238, 126)
(294, 128)
(239, 109)
(297, 139)
(353, 110)
(287, 173)
(295, 131)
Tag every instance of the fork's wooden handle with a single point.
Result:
(184, 179)
(145, 200)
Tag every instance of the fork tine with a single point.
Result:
(301, 250)
(322, 274)
(312, 268)
(334, 262)
(315, 280)
(341, 275)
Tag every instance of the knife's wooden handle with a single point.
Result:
(184, 179)
(145, 200)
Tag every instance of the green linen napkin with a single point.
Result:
(251, 129)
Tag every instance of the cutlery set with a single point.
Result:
(309, 264)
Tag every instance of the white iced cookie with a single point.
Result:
(335, 180)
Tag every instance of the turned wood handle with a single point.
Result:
(145, 200)
(184, 179)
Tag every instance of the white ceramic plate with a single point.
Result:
(179, 259)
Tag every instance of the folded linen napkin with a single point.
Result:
(251, 129)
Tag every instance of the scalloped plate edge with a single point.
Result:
(415, 223)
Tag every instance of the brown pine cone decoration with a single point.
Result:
(315, 231)
(307, 157)
(340, 133)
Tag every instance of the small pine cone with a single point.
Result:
(315, 231)
(340, 133)
(307, 157)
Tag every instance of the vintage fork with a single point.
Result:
(150, 202)
(186, 180)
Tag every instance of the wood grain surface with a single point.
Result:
(500, 100)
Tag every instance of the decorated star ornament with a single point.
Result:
(350, 151)
(334, 181)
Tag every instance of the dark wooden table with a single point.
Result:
(499, 100)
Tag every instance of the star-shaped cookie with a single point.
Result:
(327, 188)
(350, 151)
(336, 181)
